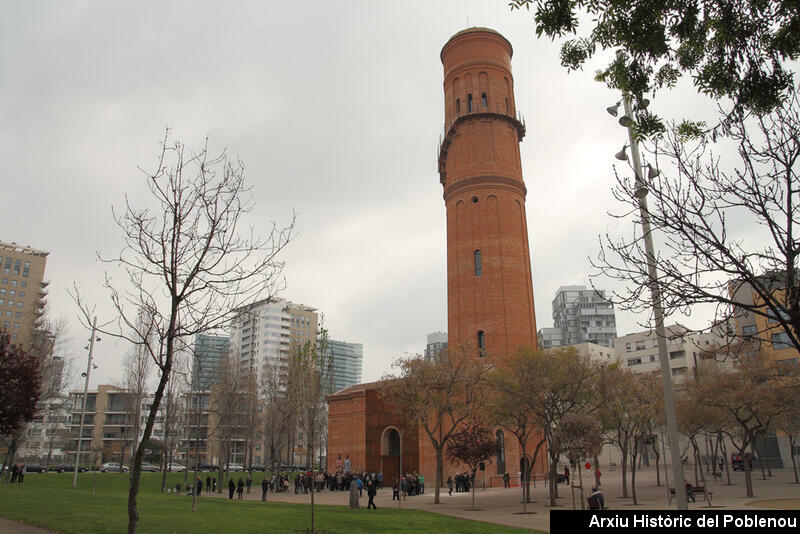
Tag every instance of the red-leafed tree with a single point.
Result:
(19, 376)
(471, 446)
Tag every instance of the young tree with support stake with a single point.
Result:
(186, 265)
(471, 446)
(310, 380)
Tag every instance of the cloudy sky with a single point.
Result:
(336, 109)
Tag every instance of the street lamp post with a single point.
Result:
(83, 408)
(640, 192)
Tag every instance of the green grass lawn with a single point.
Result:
(48, 500)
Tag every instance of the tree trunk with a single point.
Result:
(633, 475)
(580, 482)
(658, 457)
(439, 472)
(624, 462)
(748, 480)
(596, 461)
(136, 471)
(791, 455)
(473, 489)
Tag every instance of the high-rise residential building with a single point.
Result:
(436, 343)
(209, 355)
(348, 359)
(22, 291)
(264, 332)
(583, 315)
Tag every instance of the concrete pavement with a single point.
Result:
(504, 506)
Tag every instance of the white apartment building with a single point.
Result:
(639, 351)
(263, 333)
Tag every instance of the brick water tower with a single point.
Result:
(489, 288)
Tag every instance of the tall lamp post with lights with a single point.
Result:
(89, 368)
(640, 192)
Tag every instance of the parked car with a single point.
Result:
(259, 467)
(35, 468)
(150, 467)
(114, 467)
(737, 462)
(206, 466)
(66, 468)
(178, 468)
(235, 468)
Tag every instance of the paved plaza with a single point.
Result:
(504, 506)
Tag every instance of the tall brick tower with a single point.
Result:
(489, 287)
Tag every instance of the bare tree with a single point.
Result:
(186, 266)
(280, 408)
(727, 228)
(439, 396)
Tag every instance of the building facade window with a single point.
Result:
(481, 343)
(781, 341)
(478, 265)
(469, 103)
(458, 106)
(484, 100)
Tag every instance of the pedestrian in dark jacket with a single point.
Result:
(249, 483)
(240, 488)
(199, 486)
(264, 488)
(208, 483)
(371, 492)
(231, 488)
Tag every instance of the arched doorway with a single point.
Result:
(390, 453)
(501, 453)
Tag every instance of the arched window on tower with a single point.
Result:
(484, 100)
(469, 103)
(478, 266)
(458, 106)
(501, 452)
(481, 344)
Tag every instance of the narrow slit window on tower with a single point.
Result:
(469, 103)
(481, 344)
(478, 268)
(458, 105)
(506, 106)
(484, 100)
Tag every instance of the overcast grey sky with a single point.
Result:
(336, 109)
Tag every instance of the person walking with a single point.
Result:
(199, 486)
(22, 472)
(231, 488)
(14, 473)
(208, 483)
(249, 482)
(566, 474)
(371, 492)
(360, 486)
(395, 489)
(449, 485)
(264, 489)
(240, 488)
